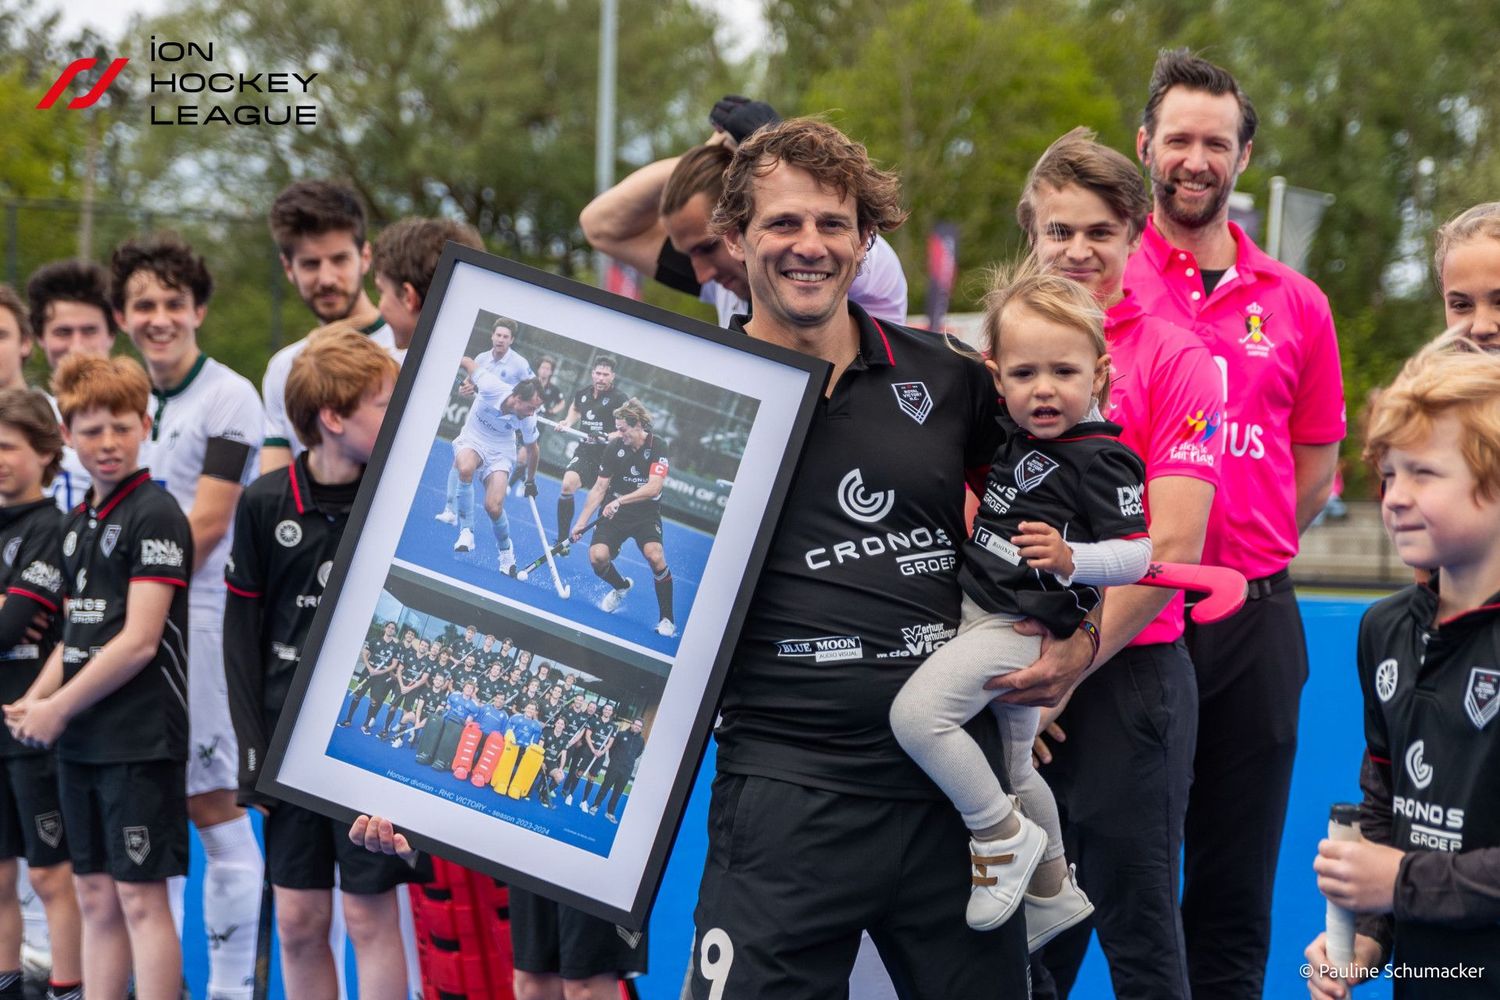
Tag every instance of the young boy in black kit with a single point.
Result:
(113, 694)
(287, 528)
(31, 585)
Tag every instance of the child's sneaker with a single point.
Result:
(1049, 916)
(1002, 870)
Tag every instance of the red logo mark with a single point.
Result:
(89, 99)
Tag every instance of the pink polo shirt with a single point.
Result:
(1167, 396)
(1271, 334)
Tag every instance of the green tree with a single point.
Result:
(961, 103)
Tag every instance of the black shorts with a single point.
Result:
(127, 821)
(31, 823)
(550, 938)
(302, 848)
(585, 463)
(616, 531)
(794, 874)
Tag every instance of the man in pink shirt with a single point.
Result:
(1271, 334)
(1121, 777)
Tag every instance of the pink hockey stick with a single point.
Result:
(1224, 589)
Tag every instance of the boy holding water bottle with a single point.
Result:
(1424, 883)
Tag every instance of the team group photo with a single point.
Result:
(926, 502)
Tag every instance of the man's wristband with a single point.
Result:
(1092, 631)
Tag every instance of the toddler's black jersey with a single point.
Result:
(1085, 483)
(137, 533)
(283, 549)
(1432, 782)
(861, 580)
(31, 578)
(628, 469)
(596, 414)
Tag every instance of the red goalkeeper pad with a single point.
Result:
(1223, 589)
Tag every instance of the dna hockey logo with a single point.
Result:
(1385, 679)
(163, 552)
(861, 505)
(1420, 770)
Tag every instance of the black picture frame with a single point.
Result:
(618, 880)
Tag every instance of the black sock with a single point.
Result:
(564, 516)
(612, 576)
(664, 594)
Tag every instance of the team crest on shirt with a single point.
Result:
(70, 544)
(1482, 699)
(289, 533)
(1032, 469)
(324, 569)
(137, 843)
(11, 549)
(1385, 679)
(49, 828)
(1256, 342)
(914, 399)
(108, 539)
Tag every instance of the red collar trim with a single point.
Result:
(122, 491)
(881, 330)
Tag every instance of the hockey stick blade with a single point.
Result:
(1224, 589)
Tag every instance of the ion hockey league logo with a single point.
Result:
(1032, 469)
(1482, 699)
(914, 399)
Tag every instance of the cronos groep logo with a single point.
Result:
(861, 505)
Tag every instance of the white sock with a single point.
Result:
(232, 881)
(409, 943)
(177, 900)
(338, 937)
(33, 915)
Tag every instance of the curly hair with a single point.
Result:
(834, 159)
(81, 281)
(169, 258)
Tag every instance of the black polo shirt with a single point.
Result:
(1084, 483)
(1432, 729)
(596, 414)
(286, 532)
(861, 581)
(628, 469)
(380, 652)
(32, 580)
(137, 533)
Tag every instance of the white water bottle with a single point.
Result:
(1343, 824)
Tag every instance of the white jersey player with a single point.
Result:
(511, 368)
(486, 448)
(206, 421)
